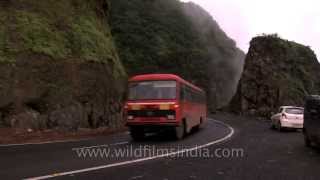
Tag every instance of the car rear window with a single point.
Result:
(294, 111)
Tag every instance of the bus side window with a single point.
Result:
(203, 98)
(186, 94)
(182, 93)
(190, 95)
(194, 96)
(198, 98)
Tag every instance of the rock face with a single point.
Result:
(58, 65)
(276, 73)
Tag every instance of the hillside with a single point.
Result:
(61, 61)
(58, 65)
(277, 72)
(168, 36)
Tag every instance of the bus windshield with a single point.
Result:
(152, 90)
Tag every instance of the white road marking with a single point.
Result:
(136, 177)
(120, 143)
(102, 145)
(47, 142)
(53, 142)
(139, 160)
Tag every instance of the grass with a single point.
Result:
(39, 36)
(58, 29)
(90, 42)
(2, 36)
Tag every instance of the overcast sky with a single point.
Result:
(297, 20)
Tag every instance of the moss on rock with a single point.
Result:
(37, 35)
(59, 29)
(59, 66)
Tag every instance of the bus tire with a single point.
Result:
(137, 134)
(202, 123)
(180, 131)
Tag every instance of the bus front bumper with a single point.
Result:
(152, 122)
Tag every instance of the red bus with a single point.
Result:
(164, 101)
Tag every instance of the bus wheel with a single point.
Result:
(180, 131)
(137, 134)
(200, 125)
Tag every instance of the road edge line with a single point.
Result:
(54, 142)
(231, 133)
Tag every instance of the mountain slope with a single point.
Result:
(61, 61)
(168, 36)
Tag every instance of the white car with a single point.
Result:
(288, 117)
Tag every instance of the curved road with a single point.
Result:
(83, 157)
(252, 151)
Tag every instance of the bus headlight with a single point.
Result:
(130, 117)
(171, 117)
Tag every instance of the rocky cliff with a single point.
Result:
(58, 65)
(277, 72)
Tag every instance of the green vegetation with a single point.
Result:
(169, 36)
(3, 37)
(88, 41)
(157, 37)
(34, 29)
(58, 29)
(37, 36)
(58, 57)
(151, 37)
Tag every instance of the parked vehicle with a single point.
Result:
(312, 121)
(289, 117)
(164, 101)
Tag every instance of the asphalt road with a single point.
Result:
(237, 148)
